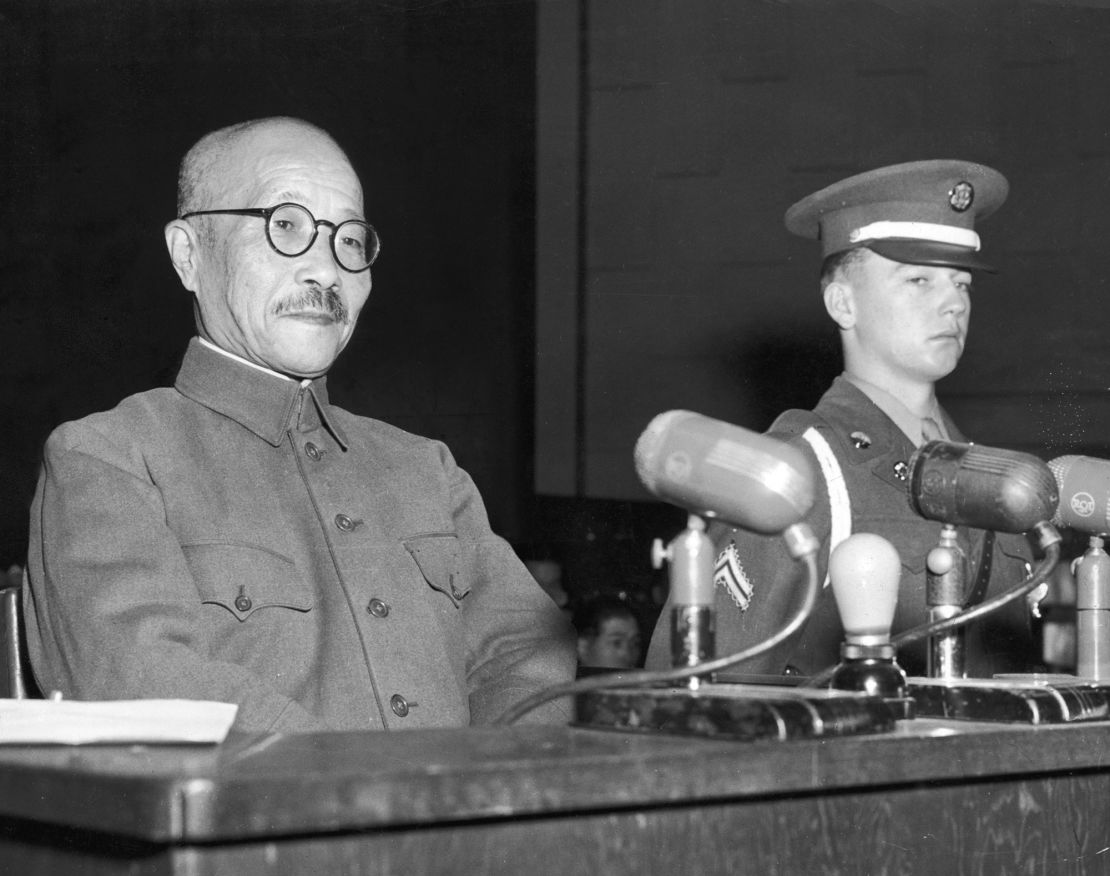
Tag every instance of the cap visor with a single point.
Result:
(925, 252)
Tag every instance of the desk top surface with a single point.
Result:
(268, 785)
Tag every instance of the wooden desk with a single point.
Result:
(932, 797)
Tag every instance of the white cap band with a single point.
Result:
(916, 231)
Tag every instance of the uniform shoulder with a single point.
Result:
(844, 416)
(125, 422)
(791, 427)
(792, 423)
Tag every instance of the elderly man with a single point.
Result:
(900, 250)
(240, 538)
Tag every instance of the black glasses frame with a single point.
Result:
(267, 212)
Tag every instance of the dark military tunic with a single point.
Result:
(872, 453)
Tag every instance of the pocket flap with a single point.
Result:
(246, 578)
(437, 555)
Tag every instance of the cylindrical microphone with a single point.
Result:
(1084, 484)
(715, 469)
(981, 487)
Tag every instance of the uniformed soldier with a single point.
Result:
(900, 251)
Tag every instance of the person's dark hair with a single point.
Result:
(590, 616)
(839, 263)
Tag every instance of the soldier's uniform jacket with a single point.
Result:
(238, 538)
(873, 454)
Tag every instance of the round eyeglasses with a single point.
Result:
(291, 230)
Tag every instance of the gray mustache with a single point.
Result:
(316, 298)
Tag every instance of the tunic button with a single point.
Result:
(312, 452)
(345, 523)
(399, 705)
(378, 608)
(243, 603)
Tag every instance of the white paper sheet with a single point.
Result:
(73, 722)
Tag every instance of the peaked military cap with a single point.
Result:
(919, 213)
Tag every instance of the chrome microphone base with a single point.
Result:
(734, 711)
(1014, 699)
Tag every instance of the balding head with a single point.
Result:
(210, 171)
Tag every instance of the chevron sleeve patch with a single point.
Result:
(728, 572)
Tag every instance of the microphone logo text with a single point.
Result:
(1083, 504)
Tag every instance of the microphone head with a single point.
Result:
(865, 571)
(982, 487)
(1084, 484)
(715, 469)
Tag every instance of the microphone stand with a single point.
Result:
(1049, 541)
(693, 625)
(981, 699)
(1092, 614)
(945, 594)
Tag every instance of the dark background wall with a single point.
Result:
(433, 101)
(697, 123)
(701, 121)
(666, 140)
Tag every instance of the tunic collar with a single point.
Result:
(893, 407)
(265, 402)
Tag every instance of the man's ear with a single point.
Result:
(840, 304)
(181, 241)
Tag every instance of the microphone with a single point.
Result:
(984, 488)
(715, 469)
(1084, 484)
(981, 487)
(865, 570)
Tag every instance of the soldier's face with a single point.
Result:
(910, 320)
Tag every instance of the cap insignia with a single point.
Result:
(960, 196)
(901, 470)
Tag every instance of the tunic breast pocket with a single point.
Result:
(437, 556)
(245, 579)
(912, 537)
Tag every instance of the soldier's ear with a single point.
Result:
(840, 304)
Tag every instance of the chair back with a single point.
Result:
(15, 675)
